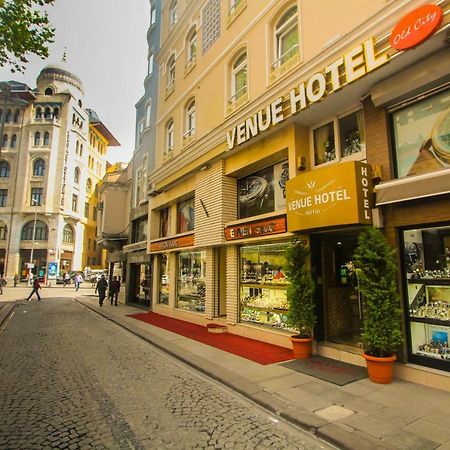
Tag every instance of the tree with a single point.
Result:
(24, 29)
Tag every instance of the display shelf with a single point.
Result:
(260, 308)
(430, 281)
(444, 323)
(265, 285)
(432, 355)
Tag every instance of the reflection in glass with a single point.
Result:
(186, 216)
(351, 131)
(164, 279)
(324, 144)
(191, 281)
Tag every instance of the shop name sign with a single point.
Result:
(358, 62)
(416, 27)
(173, 243)
(255, 229)
(336, 195)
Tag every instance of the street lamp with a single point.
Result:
(30, 272)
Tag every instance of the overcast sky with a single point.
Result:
(107, 49)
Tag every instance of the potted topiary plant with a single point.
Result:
(301, 315)
(376, 269)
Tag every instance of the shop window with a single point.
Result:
(341, 138)
(191, 281)
(264, 191)
(164, 279)
(263, 285)
(426, 260)
(185, 216)
(68, 234)
(36, 196)
(3, 197)
(422, 135)
(164, 222)
(40, 231)
(144, 285)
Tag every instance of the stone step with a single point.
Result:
(216, 328)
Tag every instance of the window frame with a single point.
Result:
(280, 30)
(5, 169)
(3, 198)
(173, 13)
(36, 196)
(190, 117)
(236, 68)
(39, 167)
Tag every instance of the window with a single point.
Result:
(3, 197)
(37, 138)
(164, 222)
(88, 186)
(94, 214)
(3, 231)
(5, 140)
(36, 196)
(81, 149)
(13, 141)
(190, 118)
(76, 175)
(74, 202)
(422, 135)
(264, 191)
(38, 113)
(152, 15)
(4, 169)
(49, 91)
(68, 234)
(151, 60)
(191, 47)
(173, 13)
(86, 210)
(139, 228)
(169, 137)
(139, 131)
(171, 72)
(47, 112)
(239, 78)
(46, 138)
(16, 116)
(55, 113)
(40, 233)
(8, 116)
(185, 216)
(286, 37)
(148, 111)
(39, 167)
(349, 142)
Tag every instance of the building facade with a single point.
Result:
(143, 162)
(49, 174)
(269, 125)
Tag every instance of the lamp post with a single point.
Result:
(30, 271)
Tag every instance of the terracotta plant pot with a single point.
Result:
(380, 370)
(302, 348)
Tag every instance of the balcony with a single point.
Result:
(284, 63)
(237, 100)
(188, 137)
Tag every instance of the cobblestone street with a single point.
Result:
(72, 379)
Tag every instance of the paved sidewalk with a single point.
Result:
(360, 415)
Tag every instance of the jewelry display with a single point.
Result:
(435, 310)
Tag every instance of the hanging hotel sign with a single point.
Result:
(173, 243)
(358, 62)
(336, 195)
(256, 229)
(416, 27)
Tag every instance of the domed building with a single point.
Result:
(53, 153)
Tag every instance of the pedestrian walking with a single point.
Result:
(102, 285)
(114, 289)
(77, 280)
(2, 283)
(16, 280)
(36, 287)
(66, 279)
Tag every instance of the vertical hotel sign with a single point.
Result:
(336, 195)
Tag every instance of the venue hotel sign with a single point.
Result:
(358, 62)
(336, 195)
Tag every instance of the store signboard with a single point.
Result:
(416, 27)
(171, 244)
(340, 194)
(255, 229)
(52, 270)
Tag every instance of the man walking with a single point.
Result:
(102, 285)
(114, 289)
(2, 283)
(36, 287)
(78, 279)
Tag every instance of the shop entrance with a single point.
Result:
(342, 303)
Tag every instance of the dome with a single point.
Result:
(60, 72)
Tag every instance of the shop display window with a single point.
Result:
(264, 191)
(185, 211)
(164, 279)
(164, 220)
(191, 281)
(422, 135)
(427, 265)
(263, 285)
(145, 283)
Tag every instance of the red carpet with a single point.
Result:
(256, 351)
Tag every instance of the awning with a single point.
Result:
(412, 188)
